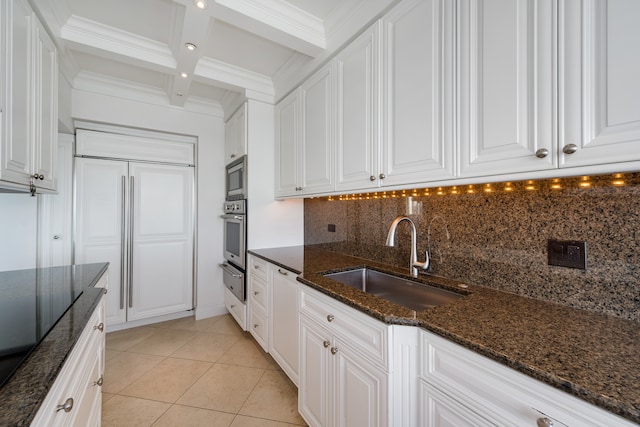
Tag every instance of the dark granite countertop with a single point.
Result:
(592, 356)
(22, 395)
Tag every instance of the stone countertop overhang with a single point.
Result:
(592, 356)
(22, 395)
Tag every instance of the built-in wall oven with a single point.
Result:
(235, 238)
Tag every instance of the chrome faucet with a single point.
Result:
(413, 262)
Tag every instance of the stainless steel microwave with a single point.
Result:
(237, 179)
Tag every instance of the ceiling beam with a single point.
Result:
(274, 20)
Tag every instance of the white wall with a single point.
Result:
(18, 231)
(271, 223)
(209, 129)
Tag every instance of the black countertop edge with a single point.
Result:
(302, 260)
(24, 393)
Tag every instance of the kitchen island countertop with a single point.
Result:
(592, 356)
(24, 392)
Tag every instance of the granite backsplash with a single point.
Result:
(496, 235)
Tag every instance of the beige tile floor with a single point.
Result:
(194, 373)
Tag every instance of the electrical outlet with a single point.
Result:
(331, 228)
(568, 253)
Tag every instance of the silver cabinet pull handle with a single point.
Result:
(226, 268)
(123, 237)
(334, 350)
(326, 343)
(330, 318)
(67, 406)
(100, 327)
(569, 148)
(131, 225)
(542, 153)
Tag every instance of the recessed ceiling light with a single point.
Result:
(201, 4)
(191, 46)
(184, 75)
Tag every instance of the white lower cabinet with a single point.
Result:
(344, 371)
(237, 309)
(459, 387)
(272, 303)
(284, 321)
(79, 382)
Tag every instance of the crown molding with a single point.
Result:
(92, 34)
(125, 89)
(232, 77)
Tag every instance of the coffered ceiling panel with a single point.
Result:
(239, 46)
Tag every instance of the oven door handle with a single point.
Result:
(229, 269)
(238, 217)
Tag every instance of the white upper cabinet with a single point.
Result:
(305, 138)
(317, 132)
(236, 135)
(505, 86)
(28, 100)
(287, 145)
(418, 81)
(599, 88)
(357, 136)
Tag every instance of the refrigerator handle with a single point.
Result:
(123, 237)
(131, 221)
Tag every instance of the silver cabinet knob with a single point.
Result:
(569, 148)
(99, 382)
(67, 406)
(255, 326)
(382, 176)
(326, 343)
(56, 237)
(233, 156)
(542, 153)
(100, 327)
(284, 273)
(334, 350)
(233, 306)
(372, 178)
(256, 292)
(544, 422)
(330, 317)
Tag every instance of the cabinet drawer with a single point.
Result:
(259, 327)
(259, 268)
(258, 295)
(500, 394)
(364, 334)
(237, 309)
(77, 379)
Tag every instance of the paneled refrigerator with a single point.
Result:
(139, 217)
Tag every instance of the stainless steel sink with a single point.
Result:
(410, 294)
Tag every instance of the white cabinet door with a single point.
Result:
(599, 89)
(506, 104)
(284, 319)
(236, 135)
(418, 80)
(439, 410)
(357, 144)
(162, 240)
(314, 398)
(46, 109)
(101, 223)
(288, 145)
(359, 389)
(317, 132)
(17, 130)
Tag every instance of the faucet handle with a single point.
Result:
(423, 265)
